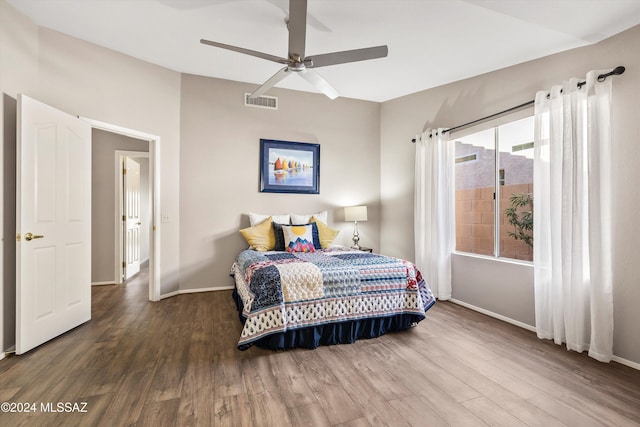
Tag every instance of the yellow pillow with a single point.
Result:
(325, 233)
(260, 237)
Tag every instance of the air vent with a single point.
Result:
(269, 102)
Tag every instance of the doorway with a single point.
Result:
(146, 145)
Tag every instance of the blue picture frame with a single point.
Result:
(289, 167)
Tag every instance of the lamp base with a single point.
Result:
(356, 238)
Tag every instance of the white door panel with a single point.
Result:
(53, 201)
(132, 215)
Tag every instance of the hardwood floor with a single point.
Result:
(175, 363)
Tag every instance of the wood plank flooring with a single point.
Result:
(175, 363)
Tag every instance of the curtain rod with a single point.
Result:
(602, 77)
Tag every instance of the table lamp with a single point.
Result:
(355, 214)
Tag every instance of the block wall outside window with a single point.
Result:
(512, 170)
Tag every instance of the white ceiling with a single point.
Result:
(431, 42)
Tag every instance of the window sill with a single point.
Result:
(496, 259)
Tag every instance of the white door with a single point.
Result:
(53, 221)
(131, 181)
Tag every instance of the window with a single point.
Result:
(502, 165)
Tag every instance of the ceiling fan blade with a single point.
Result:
(319, 83)
(274, 80)
(347, 56)
(297, 25)
(246, 51)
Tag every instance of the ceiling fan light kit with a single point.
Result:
(297, 62)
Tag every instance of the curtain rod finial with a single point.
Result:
(618, 70)
(615, 72)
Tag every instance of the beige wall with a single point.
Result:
(467, 100)
(103, 200)
(86, 80)
(219, 180)
(146, 209)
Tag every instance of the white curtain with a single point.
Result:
(434, 210)
(572, 216)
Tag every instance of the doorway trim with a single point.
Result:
(154, 177)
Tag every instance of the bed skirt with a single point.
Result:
(346, 332)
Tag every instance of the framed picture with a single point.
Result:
(289, 167)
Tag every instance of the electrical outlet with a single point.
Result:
(166, 218)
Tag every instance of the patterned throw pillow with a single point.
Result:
(279, 236)
(298, 238)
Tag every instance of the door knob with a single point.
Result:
(30, 236)
(139, 223)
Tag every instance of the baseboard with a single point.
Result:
(103, 283)
(495, 315)
(10, 350)
(626, 362)
(614, 358)
(195, 291)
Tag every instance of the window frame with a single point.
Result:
(499, 181)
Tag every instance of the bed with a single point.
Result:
(334, 295)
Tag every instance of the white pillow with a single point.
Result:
(255, 219)
(306, 218)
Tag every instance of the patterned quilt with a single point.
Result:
(282, 291)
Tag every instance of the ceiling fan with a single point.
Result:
(297, 62)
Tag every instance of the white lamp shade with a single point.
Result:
(355, 213)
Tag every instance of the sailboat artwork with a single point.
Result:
(289, 168)
(285, 168)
